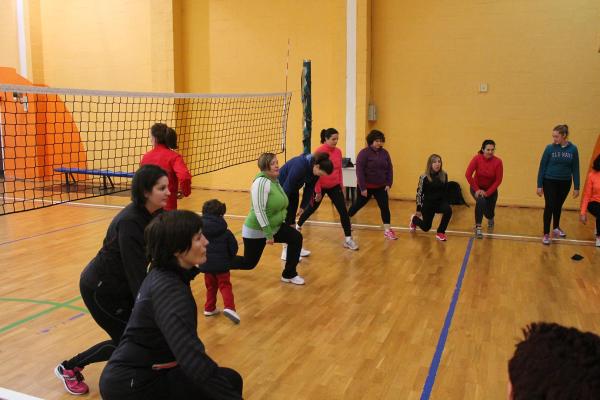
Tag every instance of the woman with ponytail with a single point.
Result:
(164, 140)
(559, 164)
(300, 172)
(331, 185)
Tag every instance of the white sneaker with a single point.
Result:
(232, 315)
(297, 280)
(284, 254)
(350, 244)
(304, 252)
(598, 241)
(211, 313)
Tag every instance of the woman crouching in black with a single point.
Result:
(160, 355)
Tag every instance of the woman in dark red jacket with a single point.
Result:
(484, 186)
(374, 175)
(180, 181)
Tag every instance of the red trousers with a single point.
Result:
(220, 282)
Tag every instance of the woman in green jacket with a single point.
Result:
(265, 224)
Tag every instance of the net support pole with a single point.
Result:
(306, 106)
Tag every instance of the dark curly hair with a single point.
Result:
(375, 135)
(555, 362)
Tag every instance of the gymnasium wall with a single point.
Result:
(247, 50)
(106, 45)
(9, 44)
(421, 64)
(539, 58)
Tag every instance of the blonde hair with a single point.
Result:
(428, 170)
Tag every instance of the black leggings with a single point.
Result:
(253, 249)
(555, 194)
(381, 196)
(594, 209)
(111, 313)
(293, 200)
(484, 206)
(337, 198)
(168, 384)
(428, 210)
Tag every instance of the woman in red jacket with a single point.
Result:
(331, 185)
(591, 197)
(484, 185)
(180, 180)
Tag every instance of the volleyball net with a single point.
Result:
(61, 145)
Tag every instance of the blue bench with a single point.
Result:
(104, 173)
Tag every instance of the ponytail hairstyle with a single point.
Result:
(485, 143)
(562, 129)
(159, 132)
(327, 133)
(323, 161)
(429, 171)
(171, 139)
(596, 164)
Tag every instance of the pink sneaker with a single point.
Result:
(72, 379)
(546, 239)
(390, 235)
(441, 237)
(558, 233)
(412, 227)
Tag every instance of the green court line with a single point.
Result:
(52, 303)
(56, 306)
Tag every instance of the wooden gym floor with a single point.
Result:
(406, 319)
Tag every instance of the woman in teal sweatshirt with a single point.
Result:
(559, 164)
(265, 224)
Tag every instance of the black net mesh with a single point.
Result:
(61, 145)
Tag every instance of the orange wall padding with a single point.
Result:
(41, 139)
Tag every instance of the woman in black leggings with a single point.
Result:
(110, 282)
(375, 174)
(432, 199)
(591, 198)
(559, 164)
(331, 185)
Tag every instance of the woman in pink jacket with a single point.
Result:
(591, 197)
(331, 185)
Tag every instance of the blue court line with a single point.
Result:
(439, 350)
(54, 231)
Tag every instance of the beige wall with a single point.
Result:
(111, 45)
(247, 50)
(539, 58)
(192, 56)
(9, 44)
(420, 63)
